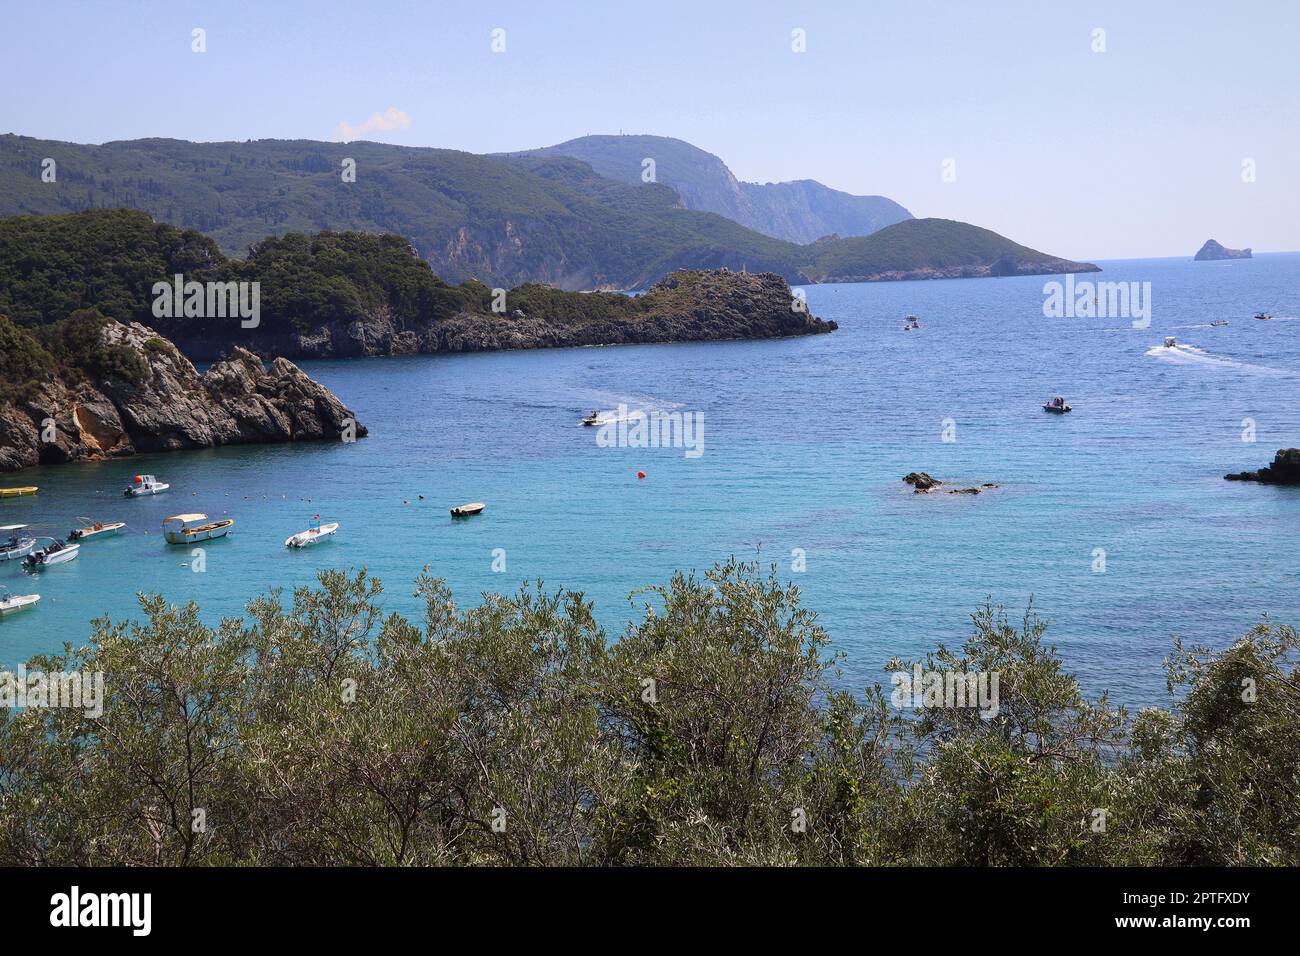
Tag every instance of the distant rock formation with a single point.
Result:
(1285, 470)
(1213, 251)
(238, 401)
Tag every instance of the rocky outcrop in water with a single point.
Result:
(1213, 251)
(1285, 470)
(923, 483)
(237, 401)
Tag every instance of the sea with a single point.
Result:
(1113, 521)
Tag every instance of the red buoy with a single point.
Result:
(640, 474)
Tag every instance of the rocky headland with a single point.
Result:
(169, 407)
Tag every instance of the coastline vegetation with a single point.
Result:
(318, 730)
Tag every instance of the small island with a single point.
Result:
(1213, 251)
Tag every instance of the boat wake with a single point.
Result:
(1192, 356)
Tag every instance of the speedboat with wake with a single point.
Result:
(13, 544)
(1171, 342)
(186, 529)
(95, 529)
(145, 485)
(1263, 316)
(17, 602)
(57, 552)
(313, 535)
(592, 419)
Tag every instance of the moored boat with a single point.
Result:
(464, 511)
(145, 485)
(95, 529)
(14, 545)
(57, 552)
(18, 492)
(312, 535)
(17, 602)
(188, 528)
(1057, 406)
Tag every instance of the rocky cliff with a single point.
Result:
(238, 401)
(1213, 251)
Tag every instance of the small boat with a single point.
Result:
(95, 529)
(18, 492)
(15, 545)
(1057, 406)
(145, 485)
(186, 529)
(1171, 342)
(1219, 322)
(55, 553)
(592, 419)
(1263, 316)
(912, 322)
(464, 511)
(17, 602)
(312, 535)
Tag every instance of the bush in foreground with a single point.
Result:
(514, 733)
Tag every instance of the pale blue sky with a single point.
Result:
(1133, 152)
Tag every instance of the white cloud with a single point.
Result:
(389, 119)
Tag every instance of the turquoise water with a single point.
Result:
(804, 445)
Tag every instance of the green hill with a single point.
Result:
(337, 294)
(505, 221)
(930, 249)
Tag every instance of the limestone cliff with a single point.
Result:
(238, 401)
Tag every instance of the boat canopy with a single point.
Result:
(186, 519)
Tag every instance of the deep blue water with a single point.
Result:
(805, 444)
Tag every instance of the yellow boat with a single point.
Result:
(16, 492)
(186, 529)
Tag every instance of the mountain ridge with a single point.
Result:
(800, 211)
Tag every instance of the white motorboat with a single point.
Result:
(1171, 342)
(14, 545)
(95, 529)
(464, 511)
(17, 602)
(145, 485)
(57, 552)
(1057, 406)
(186, 529)
(312, 535)
(1217, 323)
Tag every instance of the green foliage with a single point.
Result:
(78, 346)
(23, 361)
(505, 220)
(323, 732)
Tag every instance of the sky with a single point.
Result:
(1176, 124)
